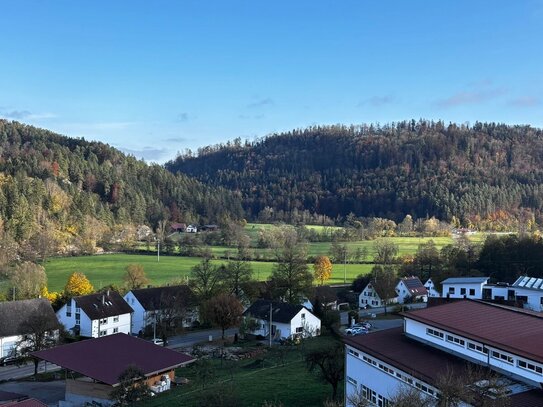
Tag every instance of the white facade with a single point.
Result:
(405, 294)
(191, 229)
(71, 316)
(370, 298)
(466, 287)
(7, 344)
(377, 381)
(506, 363)
(431, 288)
(303, 323)
(142, 318)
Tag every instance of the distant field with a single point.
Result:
(106, 269)
(109, 268)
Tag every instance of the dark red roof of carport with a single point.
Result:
(105, 358)
(510, 329)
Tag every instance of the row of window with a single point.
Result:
(397, 374)
(462, 291)
(104, 332)
(374, 397)
(103, 321)
(503, 357)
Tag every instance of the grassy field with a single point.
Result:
(106, 269)
(271, 380)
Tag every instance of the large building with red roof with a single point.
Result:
(98, 363)
(445, 338)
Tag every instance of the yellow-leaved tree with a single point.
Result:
(323, 269)
(78, 284)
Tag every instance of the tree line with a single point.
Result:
(486, 175)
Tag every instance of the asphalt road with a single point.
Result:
(193, 338)
(13, 372)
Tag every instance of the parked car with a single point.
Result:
(158, 341)
(356, 331)
(11, 360)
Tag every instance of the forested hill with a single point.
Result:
(484, 171)
(74, 188)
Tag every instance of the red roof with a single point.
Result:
(105, 358)
(424, 362)
(511, 329)
(393, 347)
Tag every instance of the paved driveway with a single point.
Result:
(48, 392)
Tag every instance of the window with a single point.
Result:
(103, 333)
(462, 291)
(472, 291)
(451, 290)
(477, 348)
(115, 330)
(354, 353)
(530, 366)
(303, 316)
(299, 330)
(103, 321)
(351, 380)
(435, 333)
(116, 319)
(77, 319)
(502, 356)
(455, 340)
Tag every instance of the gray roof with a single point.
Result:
(281, 311)
(465, 280)
(103, 305)
(14, 315)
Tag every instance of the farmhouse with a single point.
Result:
(174, 303)
(411, 289)
(15, 317)
(96, 315)
(287, 320)
(370, 297)
(432, 289)
(447, 339)
(101, 361)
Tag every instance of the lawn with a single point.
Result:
(104, 269)
(287, 381)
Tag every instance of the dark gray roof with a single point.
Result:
(103, 305)
(281, 311)
(14, 315)
(150, 298)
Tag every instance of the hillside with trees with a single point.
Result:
(486, 175)
(60, 193)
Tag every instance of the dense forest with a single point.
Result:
(74, 189)
(486, 175)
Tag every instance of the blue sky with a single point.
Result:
(155, 78)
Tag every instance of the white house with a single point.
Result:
(411, 289)
(287, 320)
(96, 315)
(370, 297)
(14, 318)
(173, 302)
(440, 340)
(431, 288)
(464, 287)
(191, 229)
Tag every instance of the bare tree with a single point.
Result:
(408, 396)
(331, 362)
(384, 282)
(135, 277)
(40, 335)
(385, 251)
(205, 279)
(223, 311)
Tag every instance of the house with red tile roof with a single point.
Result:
(99, 362)
(449, 338)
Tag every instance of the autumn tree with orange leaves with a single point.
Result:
(323, 269)
(78, 284)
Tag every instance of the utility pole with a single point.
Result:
(270, 324)
(158, 251)
(154, 328)
(345, 265)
